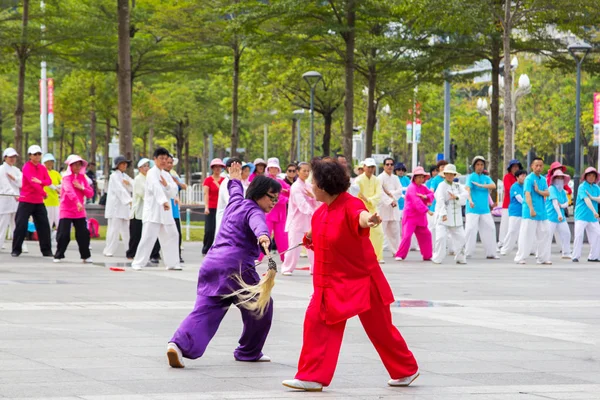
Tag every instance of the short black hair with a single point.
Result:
(520, 172)
(260, 186)
(338, 156)
(330, 176)
(232, 160)
(433, 168)
(161, 151)
(537, 159)
(389, 159)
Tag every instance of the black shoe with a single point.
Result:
(596, 260)
(181, 260)
(575, 260)
(15, 254)
(154, 260)
(48, 255)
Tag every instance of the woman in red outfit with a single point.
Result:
(348, 281)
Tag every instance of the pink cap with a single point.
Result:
(590, 170)
(559, 174)
(419, 171)
(217, 162)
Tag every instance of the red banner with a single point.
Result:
(50, 96)
(596, 108)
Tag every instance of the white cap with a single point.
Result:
(48, 157)
(34, 149)
(175, 161)
(142, 162)
(10, 152)
(369, 162)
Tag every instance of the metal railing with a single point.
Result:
(193, 195)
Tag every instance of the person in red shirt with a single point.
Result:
(507, 181)
(31, 203)
(211, 187)
(348, 281)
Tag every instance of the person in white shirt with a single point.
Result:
(118, 206)
(158, 221)
(450, 197)
(388, 204)
(11, 180)
(224, 193)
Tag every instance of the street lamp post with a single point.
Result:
(298, 114)
(579, 51)
(312, 78)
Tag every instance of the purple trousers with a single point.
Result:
(196, 331)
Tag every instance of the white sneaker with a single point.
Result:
(404, 381)
(303, 385)
(545, 263)
(436, 262)
(381, 261)
(24, 248)
(461, 262)
(136, 267)
(264, 358)
(174, 268)
(522, 262)
(174, 355)
(57, 260)
(398, 258)
(88, 261)
(566, 256)
(107, 255)
(494, 257)
(286, 273)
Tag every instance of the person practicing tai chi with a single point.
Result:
(118, 206)
(507, 182)
(586, 216)
(388, 205)
(348, 282)
(302, 205)
(243, 232)
(414, 221)
(158, 221)
(31, 203)
(276, 218)
(515, 213)
(75, 189)
(370, 193)
(52, 201)
(450, 197)
(556, 204)
(11, 181)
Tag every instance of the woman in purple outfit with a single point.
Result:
(243, 230)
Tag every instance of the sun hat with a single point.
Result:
(259, 161)
(370, 162)
(217, 162)
(119, 160)
(142, 162)
(555, 165)
(75, 158)
(478, 158)
(419, 171)
(400, 166)
(249, 165)
(48, 157)
(450, 169)
(9, 152)
(559, 174)
(590, 170)
(34, 149)
(273, 163)
(513, 162)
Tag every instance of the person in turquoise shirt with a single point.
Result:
(515, 212)
(586, 216)
(478, 216)
(400, 171)
(535, 222)
(556, 204)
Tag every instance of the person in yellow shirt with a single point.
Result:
(52, 201)
(370, 193)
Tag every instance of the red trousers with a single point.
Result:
(322, 342)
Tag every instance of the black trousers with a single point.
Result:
(63, 237)
(210, 225)
(135, 235)
(42, 226)
(178, 224)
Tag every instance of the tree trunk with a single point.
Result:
(151, 139)
(93, 141)
(508, 122)
(371, 109)
(144, 145)
(327, 134)
(106, 168)
(293, 149)
(186, 160)
(124, 79)
(20, 109)
(234, 99)
(62, 142)
(349, 38)
(72, 142)
(179, 143)
(495, 112)
(205, 159)
(1, 122)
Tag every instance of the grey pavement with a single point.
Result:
(489, 330)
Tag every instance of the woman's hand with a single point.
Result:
(235, 171)
(374, 220)
(265, 242)
(206, 211)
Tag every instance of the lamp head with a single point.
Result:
(579, 50)
(524, 82)
(514, 62)
(312, 78)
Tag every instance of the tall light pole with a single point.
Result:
(298, 114)
(44, 96)
(312, 78)
(579, 51)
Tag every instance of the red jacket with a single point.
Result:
(508, 180)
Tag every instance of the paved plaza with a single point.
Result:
(489, 330)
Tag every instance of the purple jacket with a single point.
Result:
(235, 247)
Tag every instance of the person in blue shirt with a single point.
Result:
(556, 204)
(478, 217)
(515, 212)
(400, 171)
(535, 222)
(586, 216)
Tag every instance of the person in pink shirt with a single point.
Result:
(301, 206)
(75, 188)
(416, 207)
(31, 203)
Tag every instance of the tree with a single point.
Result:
(124, 79)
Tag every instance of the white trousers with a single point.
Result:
(593, 234)
(457, 238)
(116, 227)
(512, 235)
(6, 220)
(503, 227)
(391, 232)
(431, 225)
(52, 215)
(484, 223)
(290, 262)
(534, 235)
(167, 236)
(564, 233)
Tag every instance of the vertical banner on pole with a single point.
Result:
(596, 119)
(50, 108)
(409, 134)
(418, 131)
